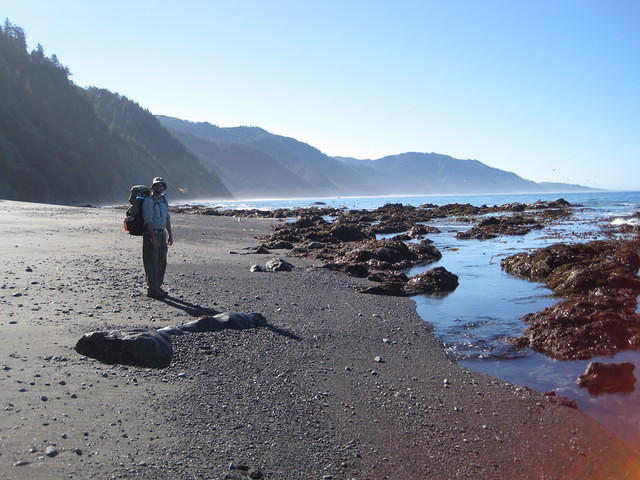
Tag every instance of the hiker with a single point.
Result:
(157, 224)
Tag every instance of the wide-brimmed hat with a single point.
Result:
(159, 180)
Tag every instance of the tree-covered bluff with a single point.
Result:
(56, 147)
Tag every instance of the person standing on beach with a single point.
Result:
(157, 235)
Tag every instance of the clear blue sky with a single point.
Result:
(548, 89)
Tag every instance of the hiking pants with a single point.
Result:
(155, 260)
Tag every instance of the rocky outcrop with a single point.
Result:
(434, 281)
(601, 378)
(491, 227)
(348, 243)
(599, 316)
(600, 323)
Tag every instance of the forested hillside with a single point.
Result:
(254, 162)
(55, 148)
(166, 156)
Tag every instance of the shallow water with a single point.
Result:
(474, 321)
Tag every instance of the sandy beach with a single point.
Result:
(303, 398)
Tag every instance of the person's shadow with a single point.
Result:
(191, 309)
(195, 310)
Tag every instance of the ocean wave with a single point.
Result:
(626, 221)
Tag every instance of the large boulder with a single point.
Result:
(143, 348)
(425, 251)
(420, 229)
(539, 264)
(348, 233)
(436, 280)
(601, 378)
(600, 323)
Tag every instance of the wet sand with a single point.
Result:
(302, 398)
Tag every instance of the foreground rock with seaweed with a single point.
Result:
(599, 315)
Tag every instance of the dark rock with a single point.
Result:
(420, 230)
(491, 227)
(539, 264)
(425, 251)
(347, 233)
(392, 226)
(278, 265)
(144, 348)
(389, 251)
(310, 221)
(402, 237)
(600, 323)
(576, 269)
(436, 280)
(601, 378)
(256, 268)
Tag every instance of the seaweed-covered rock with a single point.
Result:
(600, 323)
(576, 268)
(601, 378)
(425, 251)
(420, 230)
(348, 233)
(491, 227)
(389, 251)
(392, 226)
(436, 280)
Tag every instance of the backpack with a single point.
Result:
(133, 221)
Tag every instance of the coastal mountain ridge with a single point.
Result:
(321, 175)
(60, 143)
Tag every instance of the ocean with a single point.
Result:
(473, 321)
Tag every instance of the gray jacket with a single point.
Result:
(156, 212)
